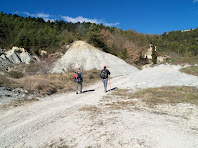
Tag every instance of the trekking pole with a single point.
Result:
(110, 82)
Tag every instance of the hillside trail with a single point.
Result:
(84, 120)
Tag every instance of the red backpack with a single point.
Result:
(76, 75)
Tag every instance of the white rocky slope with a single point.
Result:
(83, 55)
(15, 56)
(158, 76)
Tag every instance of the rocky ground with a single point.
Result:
(7, 94)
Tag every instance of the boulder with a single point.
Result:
(4, 62)
(26, 57)
(14, 56)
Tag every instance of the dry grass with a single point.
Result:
(8, 82)
(119, 99)
(184, 60)
(47, 84)
(172, 95)
(121, 104)
(154, 96)
(89, 108)
(193, 70)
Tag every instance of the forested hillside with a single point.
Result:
(34, 34)
(184, 43)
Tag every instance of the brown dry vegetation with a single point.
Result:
(172, 95)
(47, 84)
(122, 46)
(152, 97)
(184, 60)
(89, 108)
(4, 81)
(193, 70)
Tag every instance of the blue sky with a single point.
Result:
(143, 16)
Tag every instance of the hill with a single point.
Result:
(34, 34)
(84, 56)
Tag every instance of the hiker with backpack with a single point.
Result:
(78, 79)
(104, 76)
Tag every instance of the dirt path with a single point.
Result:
(84, 120)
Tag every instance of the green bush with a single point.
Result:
(69, 40)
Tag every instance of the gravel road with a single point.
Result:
(83, 120)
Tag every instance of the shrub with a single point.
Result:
(193, 70)
(3, 80)
(69, 40)
(15, 74)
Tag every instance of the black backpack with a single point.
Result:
(104, 74)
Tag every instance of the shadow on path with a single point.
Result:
(88, 90)
(112, 89)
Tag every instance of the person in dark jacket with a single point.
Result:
(78, 80)
(104, 76)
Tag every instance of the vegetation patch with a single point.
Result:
(193, 70)
(7, 82)
(155, 96)
(172, 95)
(119, 99)
(185, 60)
(15, 74)
(89, 108)
(47, 84)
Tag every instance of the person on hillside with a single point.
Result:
(104, 76)
(78, 78)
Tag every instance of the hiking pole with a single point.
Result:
(110, 82)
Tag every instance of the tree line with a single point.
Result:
(35, 34)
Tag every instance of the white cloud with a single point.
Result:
(82, 19)
(195, 1)
(112, 24)
(42, 15)
(46, 17)
(79, 19)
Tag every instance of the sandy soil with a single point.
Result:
(84, 120)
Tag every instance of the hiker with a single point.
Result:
(104, 76)
(78, 79)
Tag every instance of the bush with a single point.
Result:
(15, 74)
(4, 80)
(69, 40)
